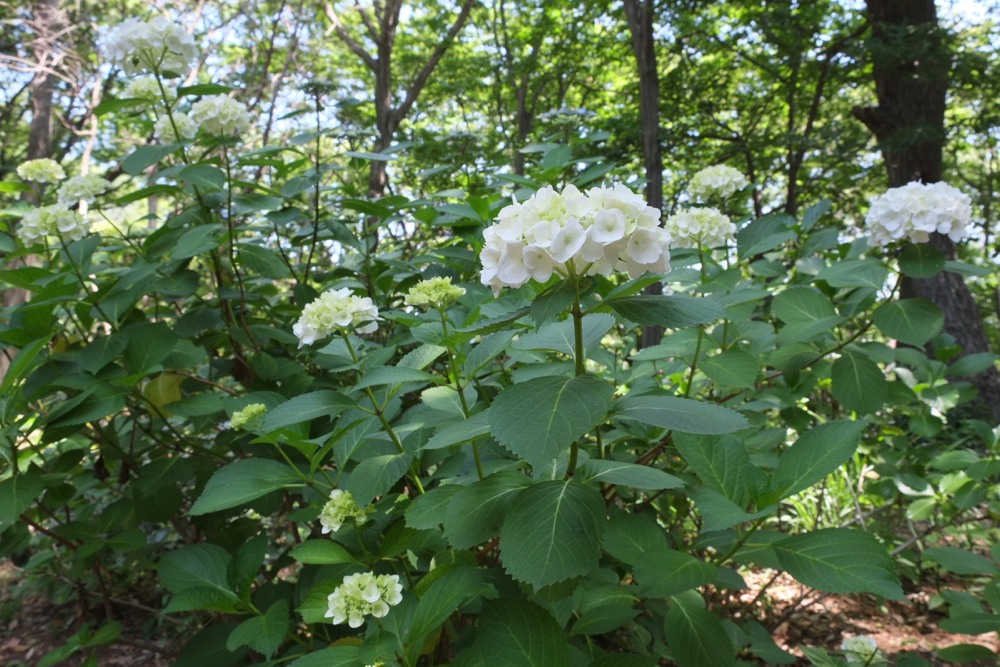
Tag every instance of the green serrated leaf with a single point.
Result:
(553, 532)
(628, 474)
(265, 633)
(539, 418)
(681, 414)
(376, 475)
(911, 321)
(476, 513)
(695, 636)
(732, 368)
(559, 336)
(305, 407)
(146, 156)
(816, 454)
(921, 260)
(858, 383)
(196, 566)
(670, 311)
(666, 572)
(855, 273)
(839, 560)
(518, 633)
(321, 552)
(242, 481)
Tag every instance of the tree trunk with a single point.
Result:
(910, 63)
(48, 23)
(639, 14)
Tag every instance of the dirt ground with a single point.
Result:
(32, 625)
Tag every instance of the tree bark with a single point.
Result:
(639, 14)
(910, 64)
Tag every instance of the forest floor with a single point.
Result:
(32, 624)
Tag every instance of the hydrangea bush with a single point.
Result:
(451, 450)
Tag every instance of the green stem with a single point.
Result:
(377, 407)
(694, 362)
(574, 449)
(453, 369)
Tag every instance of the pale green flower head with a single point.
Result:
(363, 594)
(433, 293)
(147, 88)
(717, 182)
(81, 188)
(700, 227)
(339, 508)
(43, 170)
(220, 116)
(52, 220)
(165, 125)
(249, 418)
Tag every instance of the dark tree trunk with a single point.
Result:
(910, 63)
(639, 14)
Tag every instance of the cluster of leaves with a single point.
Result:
(548, 494)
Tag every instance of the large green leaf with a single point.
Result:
(146, 156)
(855, 273)
(440, 601)
(839, 560)
(242, 481)
(517, 633)
(816, 454)
(695, 636)
(920, 260)
(719, 512)
(628, 474)
(671, 311)
(264, 633)
(335, 656)
(806, 312)
(376, 475)
(304, 407)
(553, 532)
(681, 414)
(960, 561)
(196, 566)
(321, 552)
(723, 465)
(666, 572)
(539, 418)
(858, 383)
(18, 493)
(911, 321)
(559, 336)
(732, 368)
(764, 234)
(476, 513)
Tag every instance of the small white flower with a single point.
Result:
(335, 310)
(363, 594)
(220, 116)
(916, 210)
(338, 509)
(42, 170)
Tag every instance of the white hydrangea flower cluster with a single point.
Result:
(604, 230)
(861, 650)
(433, 293)
(42, 170)
(718, 181)
(147, 88)
(220, 116)
(81, 188)
(163, 129)
(916, 210)
(362, 594)
(338, 509)
(53, 220)
(333, 310)
(699, 227)
(155, 46)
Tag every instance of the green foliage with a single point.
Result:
(546, 492)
